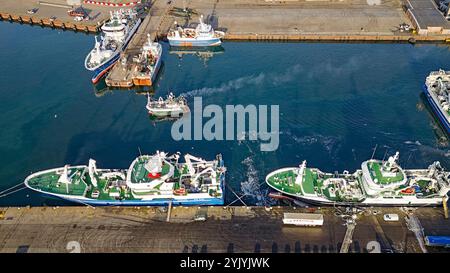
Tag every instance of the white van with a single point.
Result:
(390, 217)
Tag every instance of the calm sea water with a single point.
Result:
(337, 102)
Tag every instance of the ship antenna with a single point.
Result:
(374, 150)
(409, 157)
(384, 157)
(139, 151)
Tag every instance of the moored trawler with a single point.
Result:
(170, 107)
(147, 63)
(151, 180)
(437, 91)
(117, 33)
(378, 183)
(202, 35)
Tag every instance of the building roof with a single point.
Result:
(309, 216)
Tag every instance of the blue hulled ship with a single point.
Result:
(117, 33)
(437, 92)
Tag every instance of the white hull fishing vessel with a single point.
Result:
(378, 183)
(437, 92)
(169, 107)
(151, 180)
(147, 63)
(203, 35)
(117, 33)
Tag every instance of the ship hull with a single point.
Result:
(148, 81)
(194, 42)
(101, 71)
(154, 202)
(436, 110)
(162, 114)
(366, 203)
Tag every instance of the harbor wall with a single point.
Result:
(241, 229)
(325, 37)
(48, 22)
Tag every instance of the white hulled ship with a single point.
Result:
(378, 183)
(116, 34)
(437, 92)
(151, 180)
(170, 107)
(203, 35)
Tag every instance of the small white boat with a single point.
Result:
(202, 35)
(171, 106)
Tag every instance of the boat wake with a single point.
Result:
(329, 143)
(251, 187)
(428, 149)
(270, 79)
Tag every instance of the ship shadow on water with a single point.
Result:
(439, 131)
(203, 53)
(101, 88)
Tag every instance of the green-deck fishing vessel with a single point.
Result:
(378, 183)
(151, 180)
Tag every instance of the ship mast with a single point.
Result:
(64, 178)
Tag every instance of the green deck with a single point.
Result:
(285, 181)
(375, 172)
(309, 181)
(48, 182)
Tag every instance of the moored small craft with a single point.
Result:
(437, 92)
(147, 63)
(203, 35)
(170, 107)
(378, 183)
(157, 179)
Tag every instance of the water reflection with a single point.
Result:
(203, 53)
(101, 89)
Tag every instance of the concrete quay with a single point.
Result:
(306, 20)
(53, 13)
(226, 229)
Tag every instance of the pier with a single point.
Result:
(225, 229)
(122, 74)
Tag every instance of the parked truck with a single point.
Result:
(303, 219)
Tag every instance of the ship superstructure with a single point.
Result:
(203, 35)
(437, 91)
(381, 183)
(116, 34)
(157, 179)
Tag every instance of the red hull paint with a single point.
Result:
(99, 76)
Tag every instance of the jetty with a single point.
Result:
(123, 72)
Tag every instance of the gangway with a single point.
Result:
(413, 224)
(348, 236)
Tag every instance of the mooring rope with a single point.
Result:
(9, 192)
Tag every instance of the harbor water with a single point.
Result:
(337, 102)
